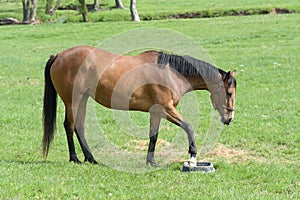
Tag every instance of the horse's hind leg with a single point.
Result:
(154, 128)
(69, 128)
(79, 130)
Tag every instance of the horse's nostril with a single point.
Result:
(227, 121)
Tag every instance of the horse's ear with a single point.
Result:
(233, 73)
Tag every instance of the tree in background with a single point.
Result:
(119, 4)
(52, 9)
(29, 10)
(84, 11)
(48, 7)
(134, 14)
(96, 5)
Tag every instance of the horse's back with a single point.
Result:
(115, 81)
(72, 67)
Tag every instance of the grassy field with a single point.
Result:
(148, 10)
(257, 157)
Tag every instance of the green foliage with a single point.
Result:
(265, 51)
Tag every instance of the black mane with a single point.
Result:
(189, 66)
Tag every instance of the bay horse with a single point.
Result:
(151, 82)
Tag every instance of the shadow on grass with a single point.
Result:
(175, 166)
(29, 162)
(43, 162)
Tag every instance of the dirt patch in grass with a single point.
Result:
(280, 11)
(220, 13)
(233, 155)
(142, 145)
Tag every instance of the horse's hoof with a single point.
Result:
(75, 160)
(192, 162)
(91, 160)
(152, 164)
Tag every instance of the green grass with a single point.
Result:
(159, 10)
(263, 49)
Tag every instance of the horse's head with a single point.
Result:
(222, 96)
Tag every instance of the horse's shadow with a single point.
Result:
(26, 162)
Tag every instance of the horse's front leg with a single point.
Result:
(174, 117)
(192, 145)
(154, 128)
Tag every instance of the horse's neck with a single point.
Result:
(148, 57)
(196, 83)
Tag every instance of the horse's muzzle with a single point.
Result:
(226, 121)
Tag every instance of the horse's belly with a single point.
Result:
(124, 98)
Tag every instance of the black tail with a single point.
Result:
(49, 109)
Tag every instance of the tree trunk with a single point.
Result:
(26, 5)
(83, 10)
(48, 7)
(29, 10)
(134, 14)
(96, 5)
(119, 4)
(33, 10)
(54, 8)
